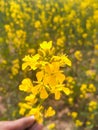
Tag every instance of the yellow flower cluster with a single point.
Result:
(49, 80)
(85, 89)
(92, 106)
(91, 73)
(15, 38)
(15, 67)
(78, 123)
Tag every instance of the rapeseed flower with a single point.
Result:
(49, 112)
(26, 85)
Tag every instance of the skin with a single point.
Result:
(26, 123)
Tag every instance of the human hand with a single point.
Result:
(26, 123)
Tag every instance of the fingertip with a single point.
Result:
(32, 117)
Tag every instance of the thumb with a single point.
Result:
(24, 123)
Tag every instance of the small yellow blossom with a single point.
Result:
(91, 73)
(78, 123)
(37, 113)
(84, 35)
(37, 24)
(51, 126)
(67, 91)
(26, 85)
(78, 55)
(91, 88)
(31, 62)
(70, 100)
(31, 99)
(46, 45)
(74, 115)
(49, 112)
(96, 15)
(60, 41)
(92, 106)
(56, 19)
(88, 123)
(83, 88)
(23, 108)
(62, 59)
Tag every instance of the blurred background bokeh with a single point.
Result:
(72, 25)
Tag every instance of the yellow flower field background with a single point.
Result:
(49, 61)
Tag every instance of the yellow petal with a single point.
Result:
(57, 95)
(46, 45)
(24, 66)
(26, 85)
(66, 91)
(43, 93)
(39, 75)
(67, 61)
(60, 77)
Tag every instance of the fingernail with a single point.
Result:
(32, 117)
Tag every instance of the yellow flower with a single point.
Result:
(57, 94)
(91, 88)
(41, 90)
(56, 19)
(65, 60)
(62, 60)
(51, 126)
(22, 111)
(7, 27)
(37, 24)
(53, 75)
(84, 4)
(92, 106)
(31, 99)
(46, 45)
(60, 41)
(74, 115)
(15, 67)
(71, 15)
(43, 93)
(31, 62)
(88, 123)
(37, 112)
(84, 35)
(96, 15)
(88, 24)
(91, 73)
(56, 89)
(67, 91)
(83, 87)
(23, 108)
(78, 55)
(70, 100)
(78, 123)
(26, 85)
(40, 75)
(49, 112)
